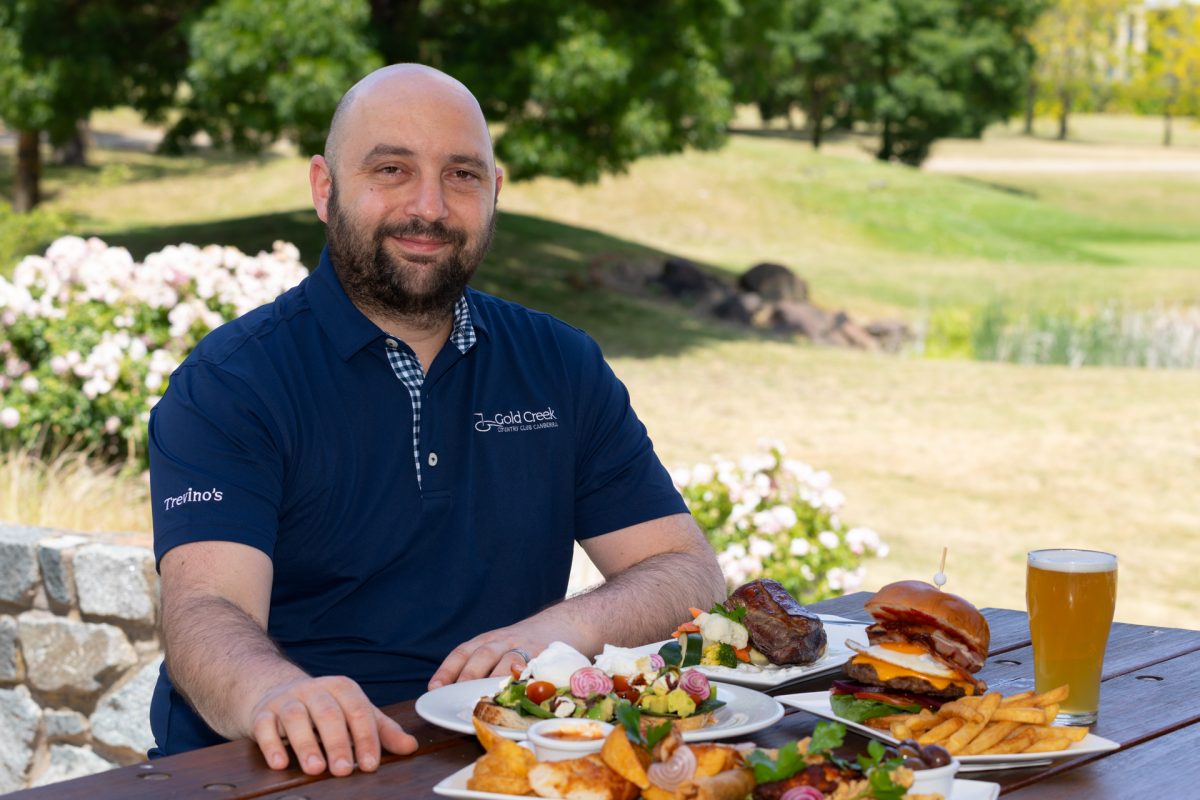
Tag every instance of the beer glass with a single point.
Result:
(1071, 595)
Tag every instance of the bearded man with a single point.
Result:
(372, 486)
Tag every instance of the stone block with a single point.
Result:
(121, 721)
(19, 717)
(68, 761)
(75, 658)
(64, 724)
(10, 654)
(773, 282)
(19, 564)
(58, 575)
(117, 582)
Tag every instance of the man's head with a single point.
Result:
(407, 188)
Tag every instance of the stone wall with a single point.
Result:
(79, 654)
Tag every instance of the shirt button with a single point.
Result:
(391, 343)
(432, 459)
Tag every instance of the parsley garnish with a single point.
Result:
(786, 763)
(631, 718)
(737, 615)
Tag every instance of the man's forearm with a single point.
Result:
(643, 603)
(221, 660)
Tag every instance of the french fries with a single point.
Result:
(992, 725)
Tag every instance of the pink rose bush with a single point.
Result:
(89, 337)
(768, 516)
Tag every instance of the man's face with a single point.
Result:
(381, 275)
(411, 199)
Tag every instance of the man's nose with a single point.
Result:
(428, 201)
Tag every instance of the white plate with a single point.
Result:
(818, 703)
(745, 710)
(456, 786)
(837, 631)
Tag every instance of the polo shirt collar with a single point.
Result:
(351, 331)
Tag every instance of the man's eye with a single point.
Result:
(390, 170)
(464, 175)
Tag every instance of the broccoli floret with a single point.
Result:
(720, 655)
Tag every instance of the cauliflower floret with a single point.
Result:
(716, 628)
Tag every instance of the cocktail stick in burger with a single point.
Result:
(923, 650)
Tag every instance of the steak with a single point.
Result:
(780, 628)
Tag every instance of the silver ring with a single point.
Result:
(522, 652)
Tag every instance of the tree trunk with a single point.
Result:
(1167, 128)
(1064, 114)
(26, 186)
(1030, 97)
(886, 145)
(73, 151)
(816, 116)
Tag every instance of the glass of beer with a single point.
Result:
(1071, 595)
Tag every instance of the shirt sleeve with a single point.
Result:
(215, 466)
(619, 478)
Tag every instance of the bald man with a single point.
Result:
(372, 487)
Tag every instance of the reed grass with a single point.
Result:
(72, 492)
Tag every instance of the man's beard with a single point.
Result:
(376, 281)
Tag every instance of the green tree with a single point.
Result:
(946, 68)
(917, 69)
(62, 59)
(578, 90)
(582, 89)
(259, 71)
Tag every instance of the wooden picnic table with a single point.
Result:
(1149, 706)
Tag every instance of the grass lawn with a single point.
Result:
(991, 460)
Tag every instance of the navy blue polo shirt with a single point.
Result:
(288, 430)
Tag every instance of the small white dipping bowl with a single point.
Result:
(938, 779)
(570, 737)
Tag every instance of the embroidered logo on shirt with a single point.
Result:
(192, 496)
(509, 421)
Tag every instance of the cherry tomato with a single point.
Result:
(515, 671)
(620, 683)
(630, 694)
(539, 691)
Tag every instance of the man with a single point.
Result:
(372, 486)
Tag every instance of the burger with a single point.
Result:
(924, 649)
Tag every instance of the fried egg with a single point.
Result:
(905, 655)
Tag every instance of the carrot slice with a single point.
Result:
(743, 654)
(695, 612)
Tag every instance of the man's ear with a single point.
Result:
(320, 181)
(499, 183)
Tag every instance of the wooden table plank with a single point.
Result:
(1164, 767)
(236, 765)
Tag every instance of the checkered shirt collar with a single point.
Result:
(463, 335)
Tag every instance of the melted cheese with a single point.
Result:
(887, 671)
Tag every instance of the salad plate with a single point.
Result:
(745, 710)
(817, 703)
(837, 631)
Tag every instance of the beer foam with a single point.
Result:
(1073, 560)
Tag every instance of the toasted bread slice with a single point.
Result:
(493, 713)
(692, 723)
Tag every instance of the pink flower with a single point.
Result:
(10, 418)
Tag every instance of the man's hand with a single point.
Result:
(332, 714)
(488, 653)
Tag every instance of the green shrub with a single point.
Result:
(21, 234)
(772, 517)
